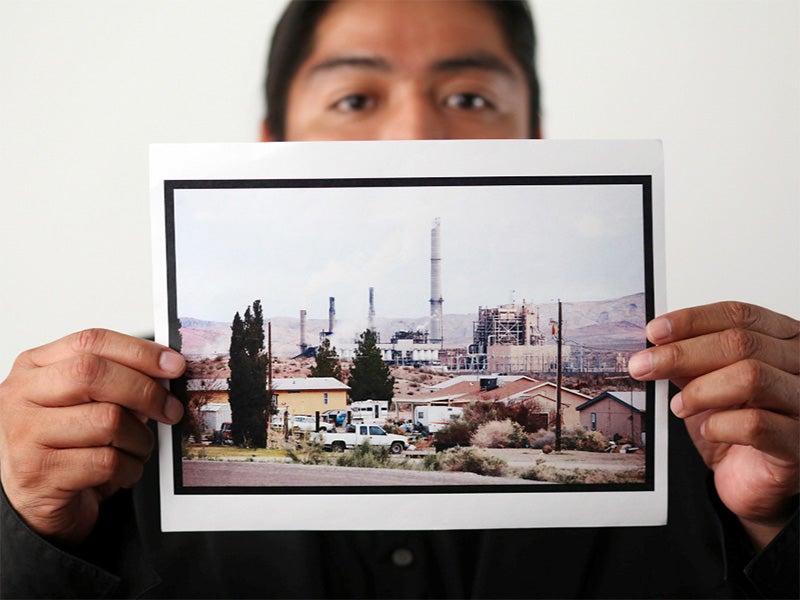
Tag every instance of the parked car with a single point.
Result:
(223, 435)
(372, 434)
(305, 423)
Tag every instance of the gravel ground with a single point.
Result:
(269, 472)
(218, 473)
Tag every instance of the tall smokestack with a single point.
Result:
(371, 316)
(437, 329)
(303, 344)
(331, 313)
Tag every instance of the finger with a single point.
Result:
(771, 433)
(701, 320)
(76, 469)
(697, 356)
(142, 355)
(748, 383)
(94, 425)
(85, 378)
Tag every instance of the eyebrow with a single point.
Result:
(476, 60)
(365, 62)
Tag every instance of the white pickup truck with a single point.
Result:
(373, 434)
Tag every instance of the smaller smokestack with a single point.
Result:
(371, 318)
(331, 313)
(303, 344)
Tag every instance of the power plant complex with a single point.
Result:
(506, 338)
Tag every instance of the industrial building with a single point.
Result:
(507, 339)
(411, 348)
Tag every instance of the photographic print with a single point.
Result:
(459, 339)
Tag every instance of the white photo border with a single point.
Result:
(418, 507)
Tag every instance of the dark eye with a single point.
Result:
(467, 101)
(354, 103)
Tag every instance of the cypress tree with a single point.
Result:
(327, 362)
(247, 385)
(370, 378)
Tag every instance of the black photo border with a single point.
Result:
(645, 182)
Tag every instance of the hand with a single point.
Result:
(73, 430)
(739, 369)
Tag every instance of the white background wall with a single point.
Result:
(86, 85)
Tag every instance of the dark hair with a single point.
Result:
(293, 37)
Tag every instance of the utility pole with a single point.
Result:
(558, 382)
(269, 374)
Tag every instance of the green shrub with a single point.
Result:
(470, 460)
(431, 462)
(543, 472)
(367, 456)
(306, 453)
(458, 432)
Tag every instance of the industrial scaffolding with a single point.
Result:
(506, 325)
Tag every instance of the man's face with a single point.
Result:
(408, 70)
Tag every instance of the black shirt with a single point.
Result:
(701, 553)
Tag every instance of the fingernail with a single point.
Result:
(640, 364)
(171, 362)
(659, 329)
(173, 409)
(676, 405)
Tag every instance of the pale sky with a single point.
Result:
(293, 248)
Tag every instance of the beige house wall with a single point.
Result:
(308, 402)
(209, 395)
(570, 417)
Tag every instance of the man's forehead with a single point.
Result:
(409, 35)
(475, 59)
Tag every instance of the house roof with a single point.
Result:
(638, 399)
(501, 380)
(467, 389)
(279, 384)
(544, 384)
(287, 384)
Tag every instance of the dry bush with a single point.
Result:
(580, 439)
(499, 434)
(571, 439)
(542, 438)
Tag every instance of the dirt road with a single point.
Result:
(219, 473)
(263, 472)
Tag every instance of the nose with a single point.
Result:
(412, 115)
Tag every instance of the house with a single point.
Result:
(306, 395)
(618, 412)
(545, 394)
(301, 396)
(466, 389)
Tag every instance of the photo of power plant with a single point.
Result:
(401, 308)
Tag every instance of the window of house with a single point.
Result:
(594, 421)
(325, 398)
